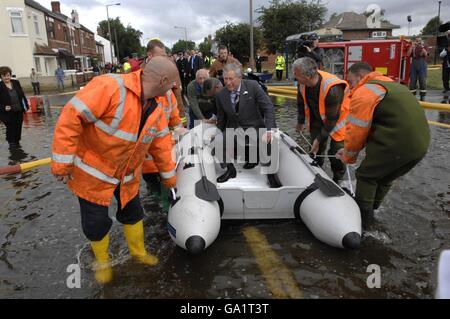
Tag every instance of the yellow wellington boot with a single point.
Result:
(103, 271)
(135, 239)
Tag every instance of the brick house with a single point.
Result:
(355, 27)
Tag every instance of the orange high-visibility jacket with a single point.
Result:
(170, 107)
(96, 140)
(364, 98)
(328, 81)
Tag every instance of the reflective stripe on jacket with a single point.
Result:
(328, 81)
(364, 98)
(170, 107)
(96, 139)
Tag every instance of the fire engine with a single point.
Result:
(388, 57)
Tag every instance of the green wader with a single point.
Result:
(398, 141)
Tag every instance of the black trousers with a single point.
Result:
(337, 167)
(279, 75)
(13, 122)
(36, 88)
(446, 78)
(95, 220)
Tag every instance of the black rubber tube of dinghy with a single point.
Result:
(221, 207)
(301, 198)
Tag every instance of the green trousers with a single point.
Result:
(374, 183)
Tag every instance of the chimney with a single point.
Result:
(100, 32)
(56, 7)
(75, 18)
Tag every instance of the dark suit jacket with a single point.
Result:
(198, 64)
(183, 67)
(5, 99)
(255, 108)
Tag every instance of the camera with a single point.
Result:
(305, 41)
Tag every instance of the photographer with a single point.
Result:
(309, 47)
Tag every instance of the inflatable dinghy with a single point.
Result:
(304, 192)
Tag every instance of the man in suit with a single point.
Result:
(243, 104)
(195, 64)
(258, 63)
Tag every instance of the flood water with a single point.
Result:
(40, 236)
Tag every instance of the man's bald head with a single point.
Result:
(159, 76)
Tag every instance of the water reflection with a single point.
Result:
(444, 117)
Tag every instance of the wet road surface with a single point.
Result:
(40, 236)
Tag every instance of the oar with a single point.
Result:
(20, 168)
(327, 187)
(204, 189)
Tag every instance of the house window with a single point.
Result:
(66, 35)
(36, 25)
(37, 63)
(379, 34)
(51, 29)
(16, 21)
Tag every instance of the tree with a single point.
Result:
(431, 27)
(181, 46)
(128, 38)
(205, 46)
(237, 38)
(284, 18)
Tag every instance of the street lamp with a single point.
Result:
(409, 25)
(437, 31)
(109, 29)
(185, 35)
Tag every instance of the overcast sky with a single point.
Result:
(203, 17)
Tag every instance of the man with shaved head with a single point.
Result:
(101, 139)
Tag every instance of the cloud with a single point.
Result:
(203, 17)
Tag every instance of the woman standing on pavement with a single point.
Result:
(13, 104)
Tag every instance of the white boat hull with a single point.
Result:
(335, 220)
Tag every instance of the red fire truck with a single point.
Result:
(385, 56)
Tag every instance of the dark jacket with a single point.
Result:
(183, 67)
(198, 64)
(255, 108)
(5, 99)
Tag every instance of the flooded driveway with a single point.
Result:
(40, 236)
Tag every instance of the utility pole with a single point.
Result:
(117, 47)
(185, 36)
(252, 45)
(109, 29)
(437, 32)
